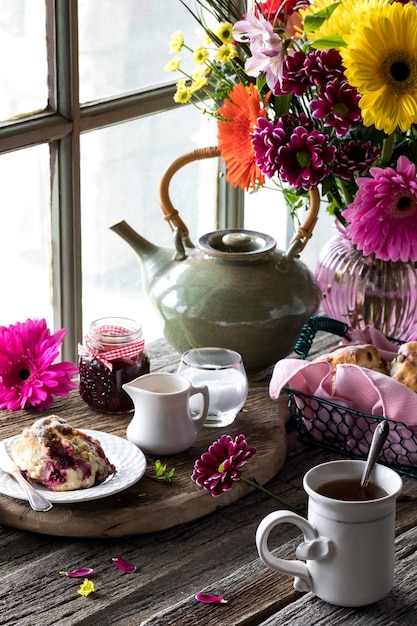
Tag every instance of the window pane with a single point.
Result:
(25, 236)
(266, 212)
(124, 45)
(23, 69)
(121, 167)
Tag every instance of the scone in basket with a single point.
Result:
(343, 429)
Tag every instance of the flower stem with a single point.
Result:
(387, 146)
(284, 503)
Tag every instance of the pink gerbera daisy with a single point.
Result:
(28, 374)
(383, 217)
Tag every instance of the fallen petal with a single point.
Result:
(76, 573)
(209, 599)
(86, 588)
(124, 565)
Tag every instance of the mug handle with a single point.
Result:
(314, 547)
(200, 418)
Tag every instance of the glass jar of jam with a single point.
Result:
(111, 356)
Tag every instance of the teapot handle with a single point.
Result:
(171, 215)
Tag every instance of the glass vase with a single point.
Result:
(363, 290)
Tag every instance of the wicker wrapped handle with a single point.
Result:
(171, 214)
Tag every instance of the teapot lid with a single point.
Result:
(236, 244)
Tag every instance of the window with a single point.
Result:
(88, 125)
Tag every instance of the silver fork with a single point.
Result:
(36, 500)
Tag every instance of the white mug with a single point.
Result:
(163, 422)
(348, 545)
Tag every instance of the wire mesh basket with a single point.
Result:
(342, 429)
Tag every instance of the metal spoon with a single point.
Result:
(36, 500)
(379, 437)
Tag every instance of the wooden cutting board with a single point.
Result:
(149, 506)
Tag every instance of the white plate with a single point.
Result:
(129, 460)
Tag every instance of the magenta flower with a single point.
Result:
(338, 106)
(354, 158)
(294, 77)
(28, 375)
(268, 137)
(305, 160)
(323, 65)
(218, 468)
(383, 217)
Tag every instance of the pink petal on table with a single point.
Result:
(78, 573)
(124, 565)
(210, 599)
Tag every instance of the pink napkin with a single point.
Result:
(358, 388)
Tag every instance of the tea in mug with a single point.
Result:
(348, 489)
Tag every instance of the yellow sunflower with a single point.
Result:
(381, 62)
(346, 16)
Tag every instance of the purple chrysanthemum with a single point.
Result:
(383, 217)
(219, 467)
(268, 137)
(294, 77)
(28, 375)
(323, 65)
(354, 158)
(305, 159)
(338, 106)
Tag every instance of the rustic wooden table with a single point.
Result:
(214, 553)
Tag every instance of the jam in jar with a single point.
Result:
(111, 356)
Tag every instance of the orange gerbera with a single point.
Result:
(239, 117)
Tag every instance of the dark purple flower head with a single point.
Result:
(305, 160)
(268, 137)
(294, 77)
(323, 65)
(353, 158)
(338, 106)
(219, 467)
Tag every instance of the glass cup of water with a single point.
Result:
(223, 372)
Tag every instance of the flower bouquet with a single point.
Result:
(315, 94)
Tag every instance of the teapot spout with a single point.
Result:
(140, 245)
(154, 259)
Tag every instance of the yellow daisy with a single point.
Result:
(176, 42)
(381, 62)
(183, 93)
(173, 65)
(201, 55)
(226, 53)
(198, 82)
(224, 32)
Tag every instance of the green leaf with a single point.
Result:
(314, 22)
(282, 104)
(162, 474)
(332, 41)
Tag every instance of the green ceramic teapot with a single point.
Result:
(234, 289)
